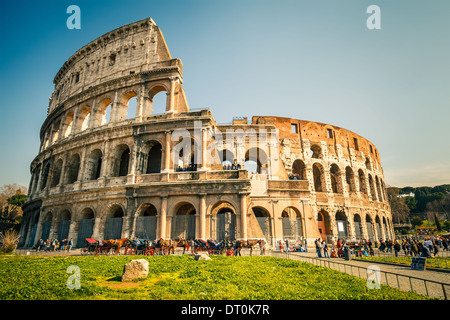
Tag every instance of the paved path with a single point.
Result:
(396, 276)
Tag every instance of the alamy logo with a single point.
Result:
(74, 281)
(74, 20)
(373, 277)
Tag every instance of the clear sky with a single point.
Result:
(310, 60)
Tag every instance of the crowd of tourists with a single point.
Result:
(50, 245)
(413, 247)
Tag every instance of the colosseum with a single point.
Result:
(108, 168)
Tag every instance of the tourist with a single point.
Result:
(396, 248)
(423, 250)
(436, 248)
(69, 244)
(325, 249)
(263, 246)
(287, 246)
(318, 248)
(39, 245)
(428, 243)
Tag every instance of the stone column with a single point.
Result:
(167, 152)
(163, 217)
(204, 155)
(202, 215)
(243, 196)
(170, 104)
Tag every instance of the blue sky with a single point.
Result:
(310, 60)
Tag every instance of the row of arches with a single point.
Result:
(96, 165)
(344, 226)
(339, 180)
(113, 224)
(109, 108)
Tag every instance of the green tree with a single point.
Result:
(416, 221)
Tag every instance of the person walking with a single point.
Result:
(396, 248)
(288, 250)
(318, 248)
(325, 249)
(69, 244)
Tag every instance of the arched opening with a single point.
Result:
(94, 165)
(369, 227)
(342, 225)
(158, 101)
(367, 163)
(56, 174)
(63, 225)
(362, 182)
(121, 160)
(291, 222)
(358, 227)
(380, 196)
(131, 110)
(183, 222)
(127, 107)
(323, 224)
(227, 159)
(223, 221)
(68, 125)
(378, 227)
(264, 222)
(46, 226)
(56, 128)
(146, 222)
(45, 174)
(113, 223)
(154, 157)
(73, 169)
(298, 170)
(84, 117)
(103, 114)
(335, 177)
(85, 227)
(256, 161)
(318, 177)
(372, 188)
(350, 179)
(186, 150)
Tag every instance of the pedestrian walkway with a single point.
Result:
(434, 284)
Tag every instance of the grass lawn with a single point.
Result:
(181, 277)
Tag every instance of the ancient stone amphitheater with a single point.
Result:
(108, 168)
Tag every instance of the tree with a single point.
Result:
(12, 197)
(416, 221)
(411, 202)
(399, 208)
(407, 190)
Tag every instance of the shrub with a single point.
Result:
(10, 239)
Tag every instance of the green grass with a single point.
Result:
(181, 277)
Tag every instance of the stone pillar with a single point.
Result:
(202, 215)
(204, 154)
(162, 227)
(97, 232)
(244, 215)
(170, 104)
(167, 152)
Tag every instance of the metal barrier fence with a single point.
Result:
(430, 288)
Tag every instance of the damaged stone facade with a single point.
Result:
(101, 173)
